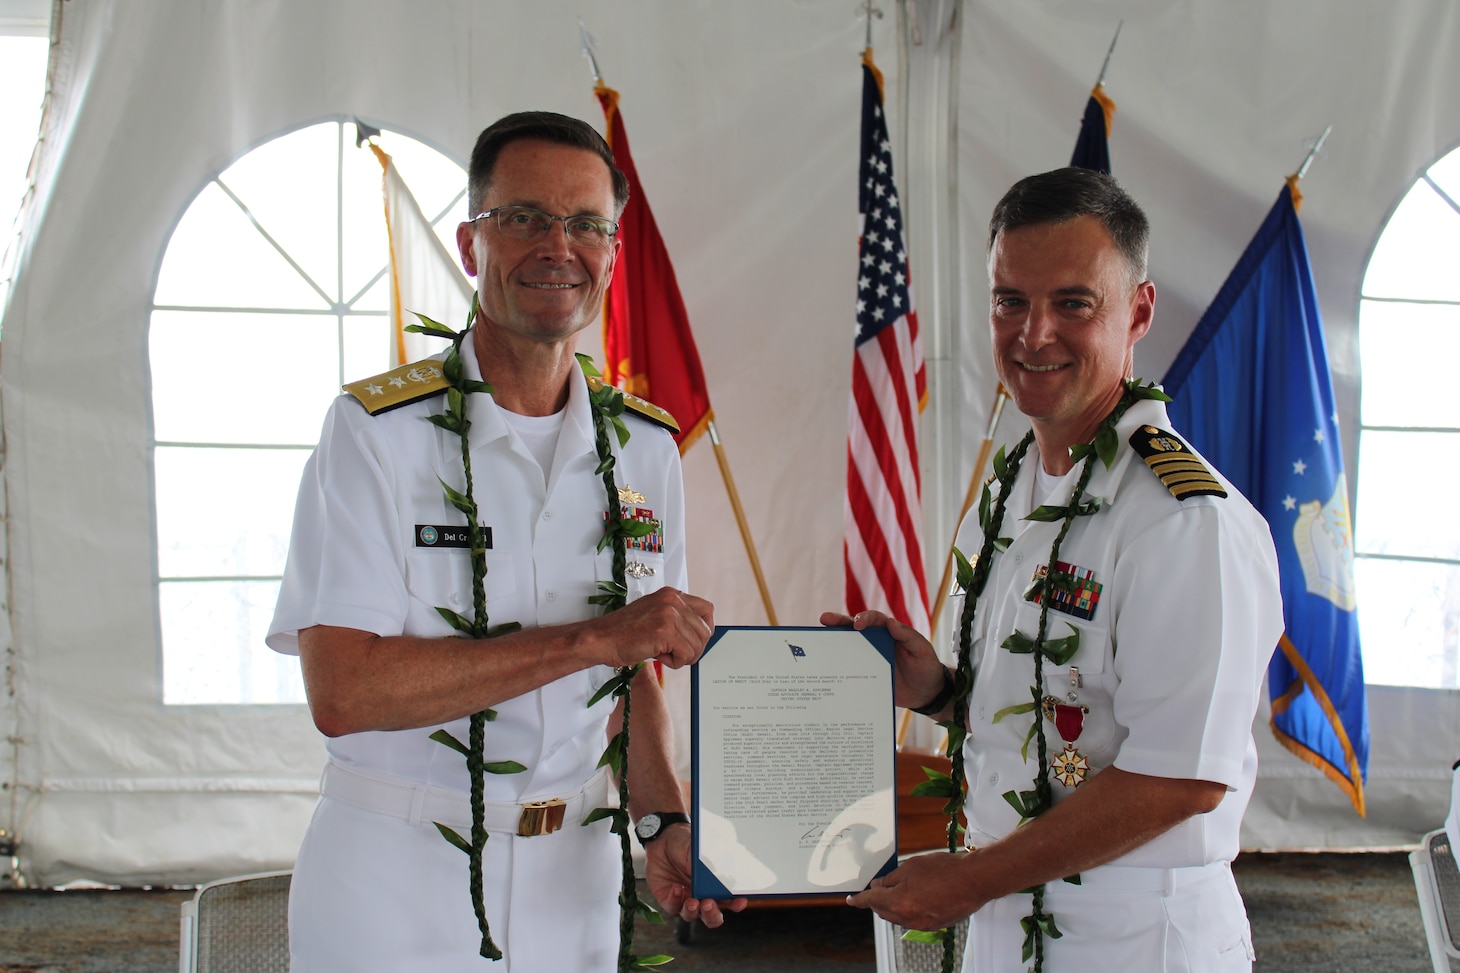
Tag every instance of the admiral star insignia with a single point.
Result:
(399, 386)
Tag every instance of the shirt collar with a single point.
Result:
(1105, 483)
(488, 425)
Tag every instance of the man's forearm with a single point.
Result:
(653, 783)
(358, 681)
(1112, 813)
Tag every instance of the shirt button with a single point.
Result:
(456, 600)
(993, 779)
(547, 515)
(551, 596)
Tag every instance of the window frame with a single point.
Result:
(1364, 302)
(340, 310)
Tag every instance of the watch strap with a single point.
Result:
(939, 702)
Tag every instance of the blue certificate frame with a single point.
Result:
(794, 761)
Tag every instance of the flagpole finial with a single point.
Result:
(588, 46)
(363, 133)
(1106, 66)
(871, 9)
(1312, 154)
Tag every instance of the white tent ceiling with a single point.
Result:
(744, 124)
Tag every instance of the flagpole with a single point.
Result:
(1312, 154)
(871, 10)
(589, 46)
(1106, 66)
(1297, 177)
(729, 478)
(997, 411)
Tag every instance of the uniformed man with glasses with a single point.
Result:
(378, 547)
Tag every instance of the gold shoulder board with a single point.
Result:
(399, 386)
(641, 407)
(1183, 473)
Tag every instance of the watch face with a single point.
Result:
(648, 826)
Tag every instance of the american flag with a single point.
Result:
(883, 545)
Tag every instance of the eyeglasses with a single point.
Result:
(526, 223)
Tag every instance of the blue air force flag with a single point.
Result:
(1253, 394)
(1092, 147)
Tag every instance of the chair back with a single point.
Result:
(237, 925)
(1437, 882)
(897, 955)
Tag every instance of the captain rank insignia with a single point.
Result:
(1181, 471)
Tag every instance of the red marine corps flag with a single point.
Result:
(647, 344)
(883, 543)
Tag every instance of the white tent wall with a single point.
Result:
(1215, 102)
(743, 120)
(755, 194)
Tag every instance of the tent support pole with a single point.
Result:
(729, 478)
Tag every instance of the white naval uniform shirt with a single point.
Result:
(356, 561)
(1170, 661)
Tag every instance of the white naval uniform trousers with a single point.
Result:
(373, 891)
(1170, 666)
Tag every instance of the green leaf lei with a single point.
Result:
(608, 407)
(972, 577)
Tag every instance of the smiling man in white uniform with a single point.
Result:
(377, 548)
(1173, 592)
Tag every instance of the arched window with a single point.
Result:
(22, 90)
(1407, 529)
(273, 290)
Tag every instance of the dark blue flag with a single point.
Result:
(1092, 148)
(1253, 394)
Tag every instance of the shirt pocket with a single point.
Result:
(441, 578)
(643, 572)
(1079, 681)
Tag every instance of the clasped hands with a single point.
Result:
(668, 626)
(925, 892)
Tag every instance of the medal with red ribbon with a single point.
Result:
(1069, 720)
(1069, 766)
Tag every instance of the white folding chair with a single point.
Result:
(237, 925)
(896, 955)
(1437, 881)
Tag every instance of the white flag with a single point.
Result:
(424, 276)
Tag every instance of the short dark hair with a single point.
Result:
(541, 126)
(1066, 194)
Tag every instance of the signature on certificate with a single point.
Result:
(817, 835)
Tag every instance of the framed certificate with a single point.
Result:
(794, 758)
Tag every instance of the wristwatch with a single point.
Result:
(652, 825)
(939, 702)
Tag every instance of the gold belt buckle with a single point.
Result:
(541, 817)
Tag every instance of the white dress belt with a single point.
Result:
(416, 802)
(1139, 878)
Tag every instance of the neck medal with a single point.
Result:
(1069, 766)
